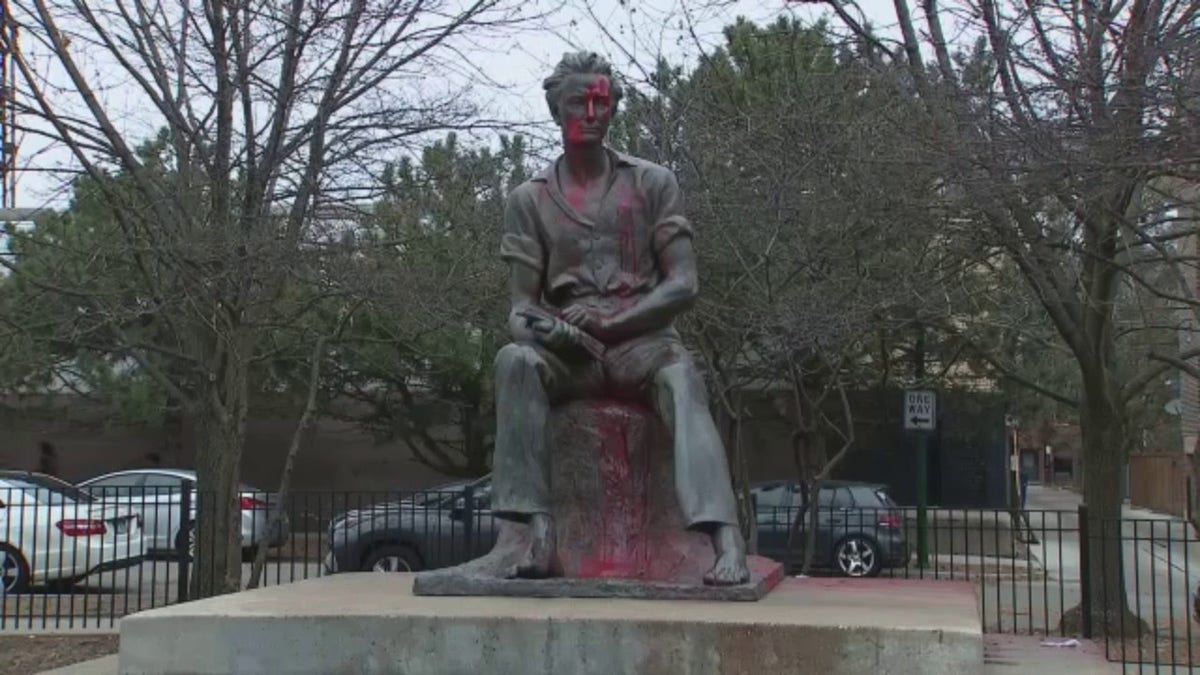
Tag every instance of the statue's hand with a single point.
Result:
(561, 335)
(584, 318)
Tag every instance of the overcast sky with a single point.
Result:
(511, 69)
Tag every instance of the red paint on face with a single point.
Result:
(621, 548)
(582, 124)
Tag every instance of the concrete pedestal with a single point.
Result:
(371, 623)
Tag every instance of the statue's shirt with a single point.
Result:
(605, 262)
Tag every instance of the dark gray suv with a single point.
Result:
(428, 530)
(860, 530)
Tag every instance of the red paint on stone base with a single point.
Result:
(620, 548)
(613, 495)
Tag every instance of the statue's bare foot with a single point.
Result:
(730, 568)
(535, 563)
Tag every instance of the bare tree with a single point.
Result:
(270, 112)
(1056, 126)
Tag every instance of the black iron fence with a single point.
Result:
(83, 559)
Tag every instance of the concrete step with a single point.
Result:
(371, 623)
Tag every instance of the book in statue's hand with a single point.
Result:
(544, 323)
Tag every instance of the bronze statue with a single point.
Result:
(602, 262)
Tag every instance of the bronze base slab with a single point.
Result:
(764, 575)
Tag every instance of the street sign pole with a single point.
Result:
(922, 499)
(920, 417)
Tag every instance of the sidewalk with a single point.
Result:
(105, 665)
(1055, 498)
(1027, 655)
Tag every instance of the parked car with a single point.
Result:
(157, 495)
(433, 529)
(859, 528)
(52, 532)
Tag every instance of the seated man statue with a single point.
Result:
(601, 262)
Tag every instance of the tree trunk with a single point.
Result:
(811, 510)
(1105, 445)
(285, 479)
(220, 433)
(173, 432)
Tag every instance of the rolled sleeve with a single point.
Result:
(669, 222)
(521, 242)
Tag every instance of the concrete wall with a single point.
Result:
(338, 456)
(966, 461)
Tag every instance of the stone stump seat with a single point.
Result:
(617, 517)
(613, 496)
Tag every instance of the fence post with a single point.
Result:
(1085, 574)
(1187, 508)
(468, 517)
(185, 517)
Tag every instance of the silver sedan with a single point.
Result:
(156, 494)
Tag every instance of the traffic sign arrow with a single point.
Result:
(920, 410)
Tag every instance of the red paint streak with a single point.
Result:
(597, 102)
(627, 228)
(630, 251)
(621, 547)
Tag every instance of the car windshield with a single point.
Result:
(773, 496)
(885, 498)
(46, 490)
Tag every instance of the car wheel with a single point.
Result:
(857, 556)
(392, 558)
(185, 541)
(14, 571)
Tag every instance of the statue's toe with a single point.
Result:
(729, 570)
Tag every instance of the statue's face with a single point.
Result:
(585, 109)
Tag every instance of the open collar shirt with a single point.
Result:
(604, 260)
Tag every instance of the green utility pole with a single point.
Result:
(922, 499)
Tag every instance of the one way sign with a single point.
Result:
(920, 411)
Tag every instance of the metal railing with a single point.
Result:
(86, 563)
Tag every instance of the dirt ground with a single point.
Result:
(28, 654)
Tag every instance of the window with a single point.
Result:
(47, 492)
(124, 481)
(162, 484)
(834, 498)
(885, 498)
(778, 495)
(122, 485)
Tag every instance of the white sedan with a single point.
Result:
(155, 495)
(51, 531)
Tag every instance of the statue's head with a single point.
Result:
(583, 96)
